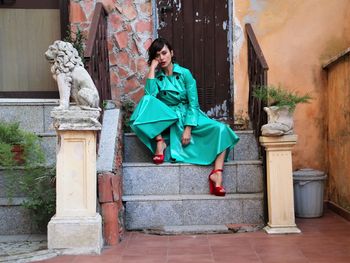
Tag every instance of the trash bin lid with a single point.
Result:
(309, 174)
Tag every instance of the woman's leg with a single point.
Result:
(218, 164)
(160, 144)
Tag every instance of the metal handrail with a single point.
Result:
(96, 53)
(257, 72)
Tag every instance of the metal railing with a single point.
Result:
(257, 72)
(96, 53)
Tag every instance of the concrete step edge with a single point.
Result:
(149, 164)
(144, 198)
(23, 167)
(14, 201)
(132, 134)
(28, 102)
(46, 134)
(187, 229)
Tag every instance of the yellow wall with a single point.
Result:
(297, 37)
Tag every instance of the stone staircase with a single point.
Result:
(175, 197)
(33, 115)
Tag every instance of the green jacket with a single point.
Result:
(179, 88)
(171, 103)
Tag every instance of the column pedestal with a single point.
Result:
(280, 184)
(76, 228)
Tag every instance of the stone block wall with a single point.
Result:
(130, 30)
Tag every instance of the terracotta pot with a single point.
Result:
(18, 154)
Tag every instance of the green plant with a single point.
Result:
(39, 185)
(277, 96)
(128, 107)
(29, 176)
(77, 39)
(10, 135)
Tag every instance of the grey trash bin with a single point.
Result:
(308, 192)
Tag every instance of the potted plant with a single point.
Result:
(19, 147)
(281, 105)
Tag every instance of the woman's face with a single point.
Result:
(164, 57)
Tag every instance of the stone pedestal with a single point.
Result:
(280, 184)
(76, 228)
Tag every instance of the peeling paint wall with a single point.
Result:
(297, 37)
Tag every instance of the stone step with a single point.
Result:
(136, 151)
(15, 172)
(48, 144)
(32, 114)
(14, 218)
(4, 173)
(161, 211)
(172, 179)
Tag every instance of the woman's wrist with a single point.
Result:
(151, 73)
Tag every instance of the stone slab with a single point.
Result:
(4, 184)
(249, 178)
(247, 147)
(153, 214)
(108, 139)
(152, 180)
(75, 235)
(15, 220)
(185, 210)
(211, 212)
(31, 257)
(253, 211)
(143, 178)
(135, 150)
(76, 119)
(48, 144)
(282, 230)
(194, 179)
(48, 126)
(196, 229)
(29, 117)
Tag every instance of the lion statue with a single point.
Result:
(72, 78)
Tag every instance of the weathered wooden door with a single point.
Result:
(199, 33)
(27, 28)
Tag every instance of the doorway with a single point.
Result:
(200, 32)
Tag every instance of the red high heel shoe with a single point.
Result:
(159, 158)
(216, 190)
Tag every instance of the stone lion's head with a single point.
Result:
(63, 57)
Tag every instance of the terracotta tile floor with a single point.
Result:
(325, 239)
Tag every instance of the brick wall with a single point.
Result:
(130, 29)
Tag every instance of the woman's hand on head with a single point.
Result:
(152, 68)
(154, 64)
(186, 135)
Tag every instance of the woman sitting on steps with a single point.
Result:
(168, 116)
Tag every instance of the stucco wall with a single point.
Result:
(297, 37)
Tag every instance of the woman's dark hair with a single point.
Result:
(156, 46)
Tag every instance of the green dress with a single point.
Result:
(170, 103)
